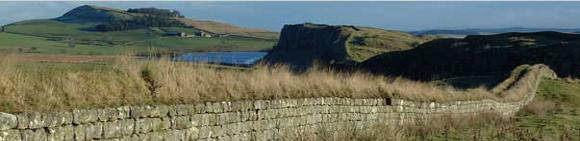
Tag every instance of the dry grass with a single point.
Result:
(539, 107)
(482, 126)
(133, 82)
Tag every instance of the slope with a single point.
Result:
(482, 55)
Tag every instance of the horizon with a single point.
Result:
(405, 16)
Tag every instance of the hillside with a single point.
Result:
(482, 55)
(148, 29)
(301, 44)
(487, 31)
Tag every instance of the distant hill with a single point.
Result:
(487, 31)
(301, 44)
(482, 55)
(141, 28)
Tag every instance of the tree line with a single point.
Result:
(152, 17)
(157, 12)
(139, 23)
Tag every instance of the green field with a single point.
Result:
(54, 37)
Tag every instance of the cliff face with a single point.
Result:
(302, 44)
(482, 55)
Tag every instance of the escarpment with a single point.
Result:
(302, 44)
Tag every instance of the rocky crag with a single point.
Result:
(303, 44)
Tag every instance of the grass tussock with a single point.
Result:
(128, 81)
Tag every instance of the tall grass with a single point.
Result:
(129, 81)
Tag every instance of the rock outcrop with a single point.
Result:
(482, 55)
(303, 44)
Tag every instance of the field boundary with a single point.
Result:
(253, 119)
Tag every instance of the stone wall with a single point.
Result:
(277, 119)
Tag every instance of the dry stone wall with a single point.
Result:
(279, 119)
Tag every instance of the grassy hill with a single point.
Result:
(76, 28)
(482, 55)
(301, 44)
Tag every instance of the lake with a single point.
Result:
(233, 58)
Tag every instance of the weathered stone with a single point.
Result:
(108, 114)
(147, 125)
(149, 111)
(22, 119)
(55, 119)
(184, 110)
(32, 120)
(118, 128)
(10, 135)
(62, 133)
(217, 131)
(8, 121)
(191, 134)
(88, 131)
(34, 135)
(174, 135)
(85, 116)
(182, 122)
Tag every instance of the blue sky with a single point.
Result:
(389, 15)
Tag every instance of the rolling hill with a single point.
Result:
(143, 28)
(460, 33)
(482, 55)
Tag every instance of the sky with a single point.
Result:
(407, 16)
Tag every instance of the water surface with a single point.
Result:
(233, 58)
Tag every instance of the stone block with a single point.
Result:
(183, 110)
(8, 121)
(62, 133)
(217, 131)
(85, 116)
(231, 129)
(88, 131)
(34, 135)
(118, 128)
(223, 118)
(191, 134)
(215, 107)
(226, 106)
(182, 122)
(55, 119)
(204, 132)
(245, 126)
(200, 108)
(149, 111)
(174, 135)
(156, 136)
(32, 120)
(213, 119)
(10, 135)
(108, 114)
(225, 138)
(201, 119)
(146, 125)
